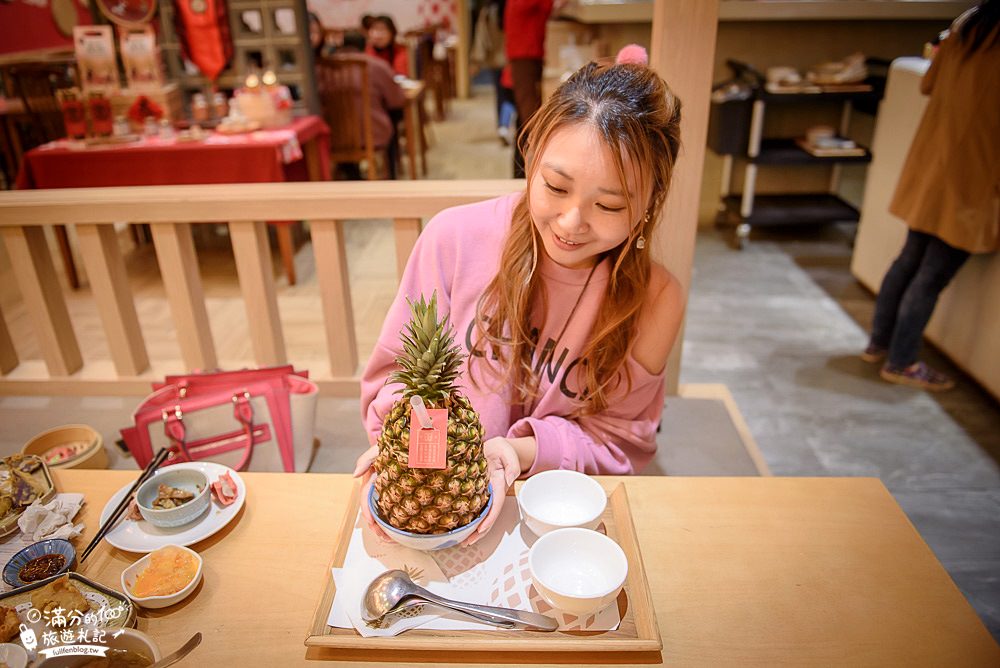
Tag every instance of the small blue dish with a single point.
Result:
(12, 571)
(432, 541)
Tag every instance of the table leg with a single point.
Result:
(287, 248)
(411, 138)
(67, 255)
(313, 163)
(422, 122)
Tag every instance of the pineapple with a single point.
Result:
(430, 501)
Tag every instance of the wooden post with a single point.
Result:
(683, 52)
(43, 298)
(8, 355)
(462, 22)
(109, 285)
(179, 269)
(338, 312)
(253, 264)
(406, 231)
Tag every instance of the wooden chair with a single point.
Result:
(434, 73)
(340, 81)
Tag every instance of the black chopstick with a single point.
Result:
(123, 504)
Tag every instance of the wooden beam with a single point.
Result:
(406, 231)
(246, 201)
(110, 288)
(182, 281)
(43, 298)
(683, 52)
(338, 311)
(256, 272)
(8, 354)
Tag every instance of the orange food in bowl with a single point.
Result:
(170, 570)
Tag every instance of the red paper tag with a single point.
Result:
(429, 447)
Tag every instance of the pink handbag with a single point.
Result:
(252, 419)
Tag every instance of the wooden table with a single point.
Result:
(258, 157)
(743, 571)
(413, 122)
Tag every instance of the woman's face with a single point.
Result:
(576, 198)
(379, 35)
(315, 33)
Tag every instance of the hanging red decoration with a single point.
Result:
(203, 30)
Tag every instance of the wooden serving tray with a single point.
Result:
(638, 631)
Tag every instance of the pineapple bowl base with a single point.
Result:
(427, 542)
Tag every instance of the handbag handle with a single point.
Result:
(173, 428)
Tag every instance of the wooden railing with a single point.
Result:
(170, 211)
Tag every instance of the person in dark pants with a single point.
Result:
(948, 194)
(524, 26)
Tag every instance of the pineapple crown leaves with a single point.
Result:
(430, 360)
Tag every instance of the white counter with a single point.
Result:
(966, 322)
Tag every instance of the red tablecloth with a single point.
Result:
(259, 157)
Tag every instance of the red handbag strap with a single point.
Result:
(173, 427)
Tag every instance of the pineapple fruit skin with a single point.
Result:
(432, 501)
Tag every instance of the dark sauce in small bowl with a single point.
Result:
(41, 567)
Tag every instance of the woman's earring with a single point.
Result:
(640, 243)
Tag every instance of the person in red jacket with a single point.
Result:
(524, 25)
(382, 44)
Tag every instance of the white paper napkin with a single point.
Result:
(53, 519)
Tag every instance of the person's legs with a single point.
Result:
(894, 284)
(527, 74)
(940, 264)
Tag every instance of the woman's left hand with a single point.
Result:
(504, 468)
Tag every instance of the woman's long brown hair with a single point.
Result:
(638, 116)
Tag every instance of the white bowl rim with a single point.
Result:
(146, 639)
(562, 472)
(562, 532)
(428, 536)
(166, 471)
(162, 597)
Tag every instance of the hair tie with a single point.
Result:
(633, 54)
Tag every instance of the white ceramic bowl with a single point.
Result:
(428, 542)
(577, 570)
(190, 480)
(128, 639)
(559, 499)
(13, 655)
(130, 574)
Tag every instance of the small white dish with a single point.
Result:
(188, 480)
(127, 640)
(560, 499)
(578, 571)
(13, 655)
(130, 574)
(142, 536)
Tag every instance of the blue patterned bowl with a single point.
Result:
(11, 572)
(428, 542)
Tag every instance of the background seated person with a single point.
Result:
(382, 44)
(387, 100)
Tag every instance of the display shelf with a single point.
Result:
(787, 152)
(791, 209)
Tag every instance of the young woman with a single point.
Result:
(552, 292)
(948, 194)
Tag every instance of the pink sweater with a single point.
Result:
(457, 255)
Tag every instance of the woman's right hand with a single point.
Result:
(363, 469)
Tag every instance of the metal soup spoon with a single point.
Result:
(389, 590)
